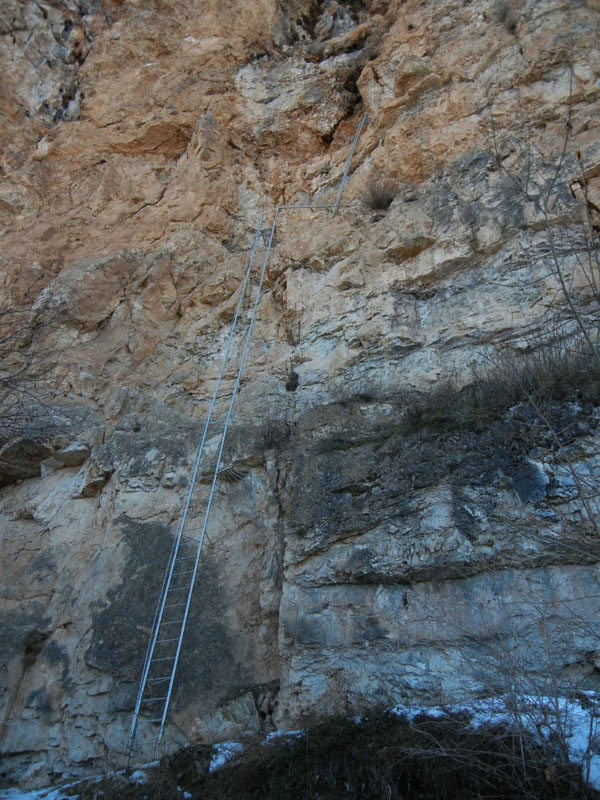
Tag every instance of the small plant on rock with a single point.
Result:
(506, 14)
(378, 194)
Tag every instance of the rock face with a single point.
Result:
(360, 557)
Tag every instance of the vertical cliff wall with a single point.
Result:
(377, 549)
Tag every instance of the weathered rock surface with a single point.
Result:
(357, 561)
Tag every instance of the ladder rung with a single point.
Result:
(187, 572)
(171, 621)
(158, 680)
(178, 588)
(162, 641)
(176, 605)
(153, 699)
(165, 658)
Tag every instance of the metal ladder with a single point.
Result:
(172, 610)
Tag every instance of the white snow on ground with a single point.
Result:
(36, 794)
(222, 753)
(139, 776)
(287, 734)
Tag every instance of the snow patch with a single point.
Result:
(222, 753)
(298, 734)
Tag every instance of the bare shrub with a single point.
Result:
(555, 188)
(506, 14)
(378, 194)
(539, 676)
(388, 756)
(558, 369)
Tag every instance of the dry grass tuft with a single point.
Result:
(561, 370)
(378, 194)
(506, 14)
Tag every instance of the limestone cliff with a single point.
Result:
(362, 558)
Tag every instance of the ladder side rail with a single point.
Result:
(348, 160)
(170, 566)
(214, 480)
